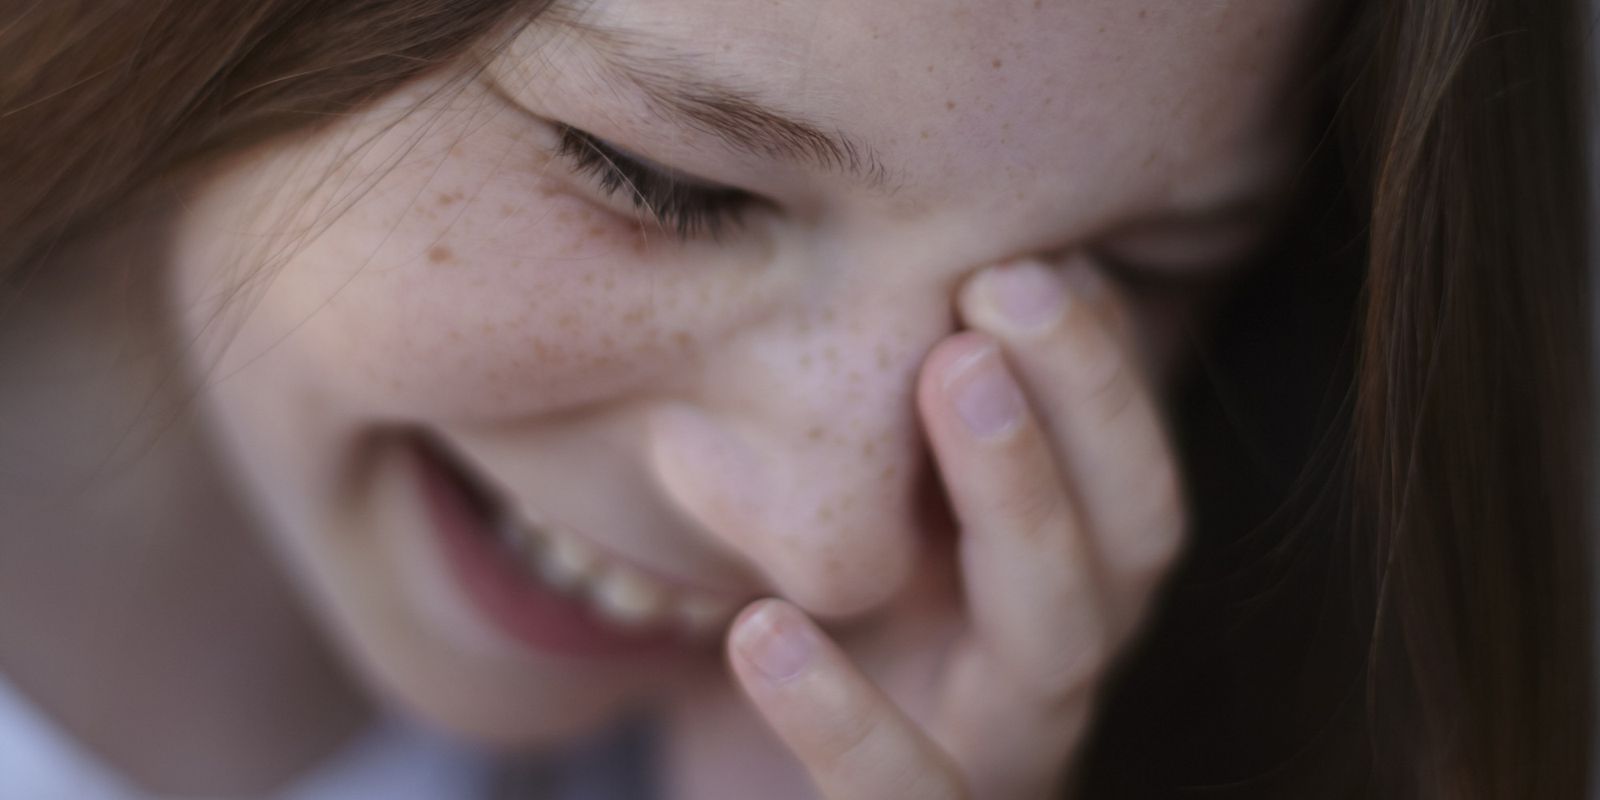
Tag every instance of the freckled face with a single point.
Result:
(734, 413)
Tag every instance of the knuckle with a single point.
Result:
(1038, 511)
(1101, 376)
(1099, 368)
(1062, 669)
(920, 783)
(869, 743)
(852, 736)
(1067, 678)
(1163, 525)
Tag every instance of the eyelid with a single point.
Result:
(644, 162)
(687, 205)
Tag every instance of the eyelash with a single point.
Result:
(689, 209)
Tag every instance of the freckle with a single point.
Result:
(805, 362)
(507, 210)
(588, 279)
(930, 68)
(830, 354)
(814, 434)
(597, 231)
(445, 200)
(888, 473)
(606, 341)
(996, 64)
(949, 105)
(854, 376)
(455, 335)
(827, 315)
(868, 449)
(682, 339)
(825, 514)
(609, 283)
(1143, 13)
(489, 327)
(567, 321)
(883, 357)
(439, 254)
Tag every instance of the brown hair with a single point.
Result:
(99, 98)
(1434, 636)
(1474, 391)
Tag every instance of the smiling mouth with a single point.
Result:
(548, 585)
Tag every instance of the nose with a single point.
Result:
(802, 452)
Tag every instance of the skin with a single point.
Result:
(773, 411)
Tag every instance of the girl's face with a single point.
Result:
(682, 403)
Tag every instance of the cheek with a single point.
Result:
(463, 288)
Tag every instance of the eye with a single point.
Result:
(688, 206)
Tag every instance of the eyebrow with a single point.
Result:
(678, 87)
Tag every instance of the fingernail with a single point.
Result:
(1026, 294)
(984, 395)
(778, 644)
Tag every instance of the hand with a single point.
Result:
(1069, 518)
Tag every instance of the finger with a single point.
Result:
(1065, 332)
(1015, 699)
(853, 741)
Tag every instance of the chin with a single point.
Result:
(520, 717)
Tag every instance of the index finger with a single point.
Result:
(851, 738)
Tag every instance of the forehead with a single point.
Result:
(1074, 103)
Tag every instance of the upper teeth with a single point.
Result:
(614, 591)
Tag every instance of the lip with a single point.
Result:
(499, 588)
